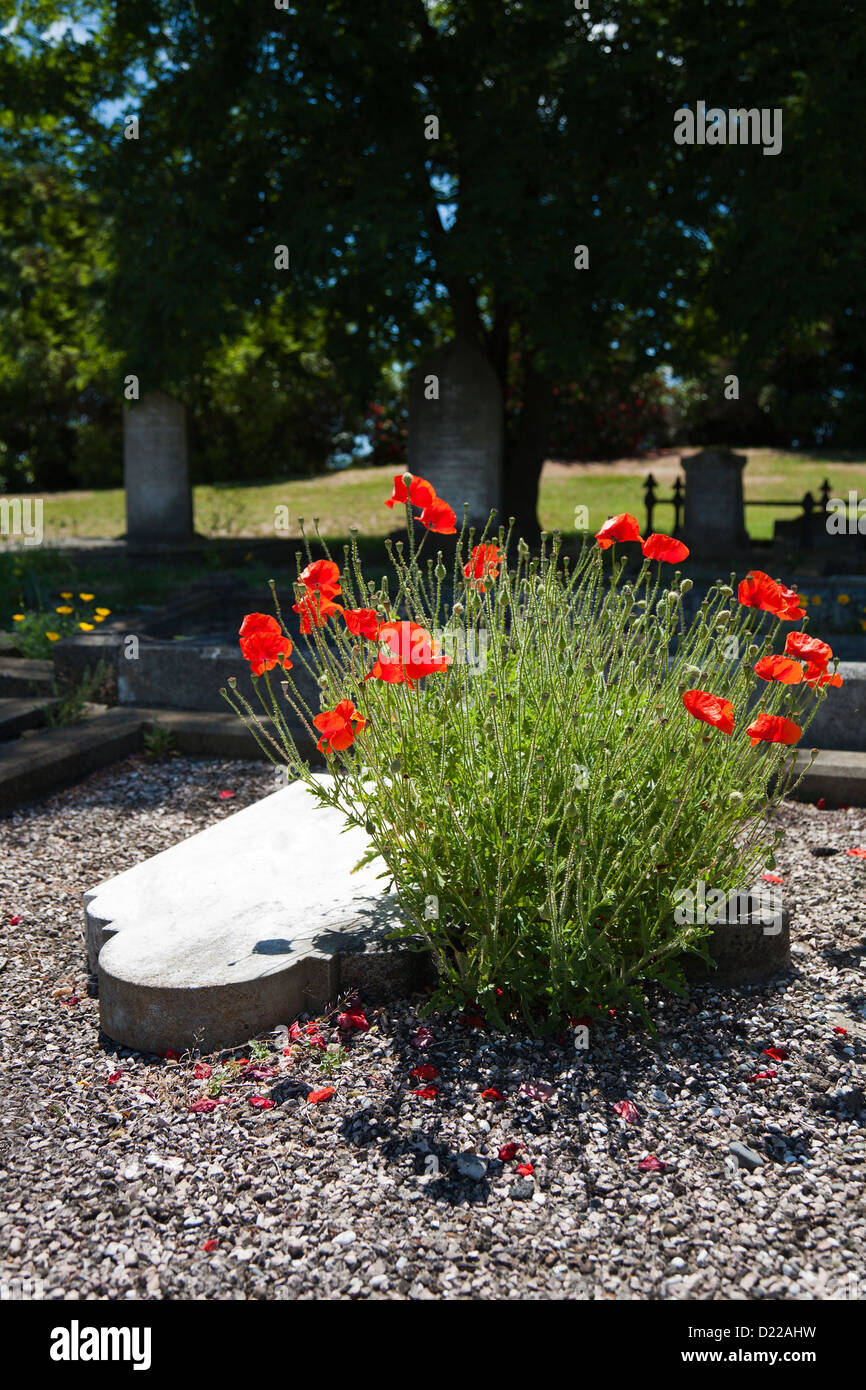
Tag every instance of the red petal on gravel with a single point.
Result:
(492, 1094)
(315, 1097)
(114, 1078)
(627, 1111)
(525, 1170)
(771, 878)
(262, 1102)
(762, 1076)
(353, 1019)
(821, 804)
(425, 1073)
(258, 1073)
(204, 1106)
(842, 1031)
(170, 1055)
(426, 1092)
(422, 1038)
(778, 1054)
(858, 850)
(13, 921)
(226, 795)
(651, 1164)
(538, 1090)
(509, 1151)
(202, 1071)
(210, 1245)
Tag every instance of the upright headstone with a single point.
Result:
(714, 514)
(456, 430)
(156, 471)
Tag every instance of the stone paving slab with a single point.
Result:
(32, 767)
(242, 927)
(16, 715)
(22, 677)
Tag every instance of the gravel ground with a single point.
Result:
(113, 1188)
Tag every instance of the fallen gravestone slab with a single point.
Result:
(242, 927)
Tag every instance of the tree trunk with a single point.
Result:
(525, 452)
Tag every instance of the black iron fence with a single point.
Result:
(809, 508)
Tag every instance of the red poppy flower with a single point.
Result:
(816, 675)
(808, 649)
(316, 1097)
(412, 654)
(509, 1151)
(661, 547)
(264, 644)
(618, 528)
(425, 1073)
(439, 517)
(711, 709)
(758, 590)
(335, 726)
(426, 1092)
(773, 728)
(627, 1111)
(324, 576)
(262, 1103)
(353, 1020)
(858, 850)
(420, 494)
(314, 609)
(209, 1245)
(484, 564)
(492, 1094)
(362, 622)
(525, 1170)
(651, 1164)
(778, 1054)
(779, 668)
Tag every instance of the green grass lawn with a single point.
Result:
(356, 497)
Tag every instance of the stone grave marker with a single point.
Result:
(714, 512)
(156, 472)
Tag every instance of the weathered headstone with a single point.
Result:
(456, 430)
(156, 472)
(714, 513)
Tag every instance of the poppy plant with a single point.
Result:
(711, 709)
(758, 590)
(264, 644)
(623, 527)
(661, 547)
(420, 493)
(336, 727)
(779, 668)
(324, 576)
(773, 728)
(485, 563)
(314, 609)
(439, 517)
(410, 654)
(362, 622)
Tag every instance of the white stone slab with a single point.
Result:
(242, 927)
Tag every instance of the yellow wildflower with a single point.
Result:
(66, 595)
(64, 608)
(53, 636)
(87, 597)
(815, 600)
(103, 612)
(86, 627)
(843, 598)
(17, 617)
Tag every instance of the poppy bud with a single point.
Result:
(687, 585)
(458, 610)
(735, 797)
(726, 590)
(233, 681)
(322, 681)
(751, 650)
(407, 479)
(440, 572)
(723, 618)
(619, 798)
(353, 530)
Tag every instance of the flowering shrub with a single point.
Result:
(36, 631)
(546, 753)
